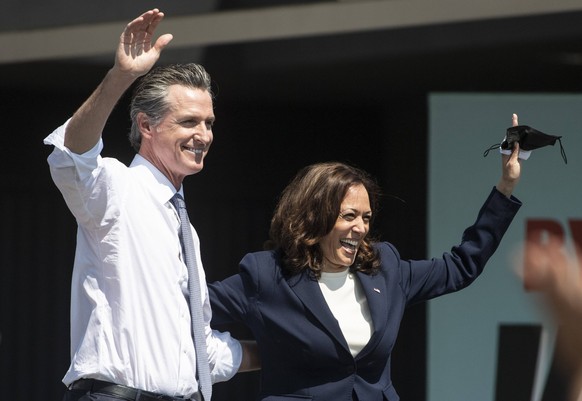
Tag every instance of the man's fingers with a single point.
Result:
(163, 41)
(154, 22)
(142, 26)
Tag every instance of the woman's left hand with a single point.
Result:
(511, 167)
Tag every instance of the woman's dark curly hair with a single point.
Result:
(307, 211)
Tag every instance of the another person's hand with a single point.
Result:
(557, 276)
(511, 167)
(136, 54)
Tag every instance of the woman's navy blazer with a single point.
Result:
(303, 353)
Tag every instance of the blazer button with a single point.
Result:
(350, 369)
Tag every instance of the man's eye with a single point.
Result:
(367, 219)
(189, 123)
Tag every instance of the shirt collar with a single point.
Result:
(161, 186)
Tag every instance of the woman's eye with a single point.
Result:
(347, 216)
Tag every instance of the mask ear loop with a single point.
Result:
(493, 147)
(563, 152)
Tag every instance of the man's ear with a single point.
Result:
(144, 124)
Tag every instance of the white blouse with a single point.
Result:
(347, 302)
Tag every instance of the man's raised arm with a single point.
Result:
(135, 56)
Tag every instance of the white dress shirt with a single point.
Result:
(130, 320)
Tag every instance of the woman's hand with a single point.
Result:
(511, 167)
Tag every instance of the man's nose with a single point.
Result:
(203, 134)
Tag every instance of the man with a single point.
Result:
(131, 330)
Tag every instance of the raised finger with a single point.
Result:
(154, 22)
(140, 24)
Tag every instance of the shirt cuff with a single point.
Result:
(62, 157)
(227, 359)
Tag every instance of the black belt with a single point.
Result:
(117, 390)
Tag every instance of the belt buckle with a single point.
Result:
(143, 395)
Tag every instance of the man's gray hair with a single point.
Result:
(150, 93)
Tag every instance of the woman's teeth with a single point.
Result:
(350, 244)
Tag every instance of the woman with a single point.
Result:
(325, 305)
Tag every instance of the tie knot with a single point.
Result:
(178, 201)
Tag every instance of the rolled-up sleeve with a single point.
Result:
(225, 356)
(62, 159)
(78, 178)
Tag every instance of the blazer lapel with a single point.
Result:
(377, 295)
(308, 291)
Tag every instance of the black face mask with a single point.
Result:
(529, 139)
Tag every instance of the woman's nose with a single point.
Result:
(359, 225)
